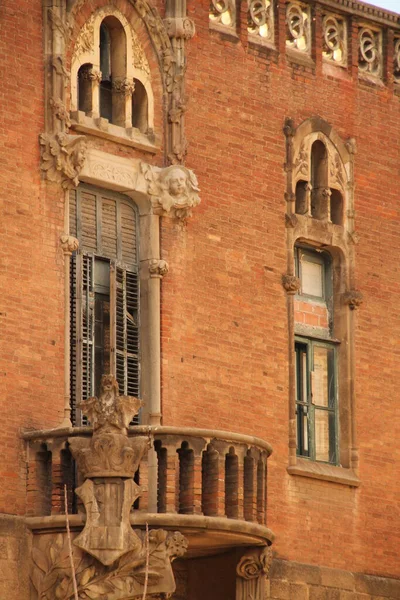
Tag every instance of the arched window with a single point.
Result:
(104, 294)
(140, 107)
(319, 181)
(113, 70)
(319, 279)
(85, 100)
(111, 88)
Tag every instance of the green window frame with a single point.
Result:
(316, 400)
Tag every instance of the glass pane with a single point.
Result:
(325, 436)
(323, 380)
(312, 274)
(302, 430)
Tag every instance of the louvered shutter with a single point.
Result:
(84, 322)
(125, 289)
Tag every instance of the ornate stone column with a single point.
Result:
(251, 574)
(179, 29)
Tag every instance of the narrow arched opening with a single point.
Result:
(140, 107)
(113, 70)
(85, 81)
(319, 181)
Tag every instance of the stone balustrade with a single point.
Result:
(187, 471)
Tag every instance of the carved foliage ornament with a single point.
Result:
(260, 18)
(63, 157)
(173, 190)
(52, 579)
(334, 39)
(253, 565)
(298, 27)
(369, 54)
(223, 12)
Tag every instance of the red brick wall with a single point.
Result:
(224, 336)
(224, 318)
(31, 276)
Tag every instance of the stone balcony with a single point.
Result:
(210, 485)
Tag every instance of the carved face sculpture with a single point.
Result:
(177, 183)
(108, 384)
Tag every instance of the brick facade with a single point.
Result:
(224, 318)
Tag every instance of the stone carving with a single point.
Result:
(158, 268)
(108, 462)
(60, 70)
(60, 111)
(353, 299)
(51, 572)
(63, 26)
(223, 12)
(302, 163)
(291, 221)
(252, 571)
(139, 57)
(289, 128)
(69, 244)
(90, 74)
(105, 171)
(291, 284)
(63, 157)
(396, 72)
(351, 146)
(123, 86)
(369, 54)
(85, 40)
(298, 26)
(173, 190)
(108, 534)
(260, 18)
(180, 27)
(334, 39)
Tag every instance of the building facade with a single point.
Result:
(198, 226)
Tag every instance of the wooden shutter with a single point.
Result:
(125, 329)
(82, 367)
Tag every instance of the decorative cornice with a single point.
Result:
(367, 11)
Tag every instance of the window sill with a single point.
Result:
(102, 128)
(227, 30)
(325, 472)
(298, 57)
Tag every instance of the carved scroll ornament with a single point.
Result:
(173, 190)
(63, 157)
(370, 51)
(252, 571)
